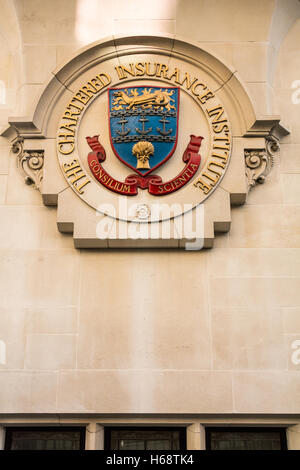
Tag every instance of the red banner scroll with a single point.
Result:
(154, 183)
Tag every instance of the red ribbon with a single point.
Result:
(154, 183)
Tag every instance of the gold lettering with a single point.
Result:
(74, 169)
(223, 157)
(195, 85)
(70, 166)
(200, 184)
(221, 147)
(140, 69)
(76, 174)
(176, 75)
(162, 70)
(205, 97)
(214, 180)
(88, 91)
(62, 149)
(128, 70)
(66, 136)
(219, 139)
(66, 139)
(120, 72)
(221, 127)
(126, 188)
(70, 116)
(101, 77)
(182, 179)
(94, 84)
(218, 112)
(148, 67)
(96, 168)
(82, 97)
(68, 127)
(75, 106)
(187, 79)
(79, 188)
(211, 169)
(219, 164)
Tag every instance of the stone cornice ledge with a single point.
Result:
(268, 126)
(21, 126)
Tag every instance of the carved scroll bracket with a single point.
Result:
(30, 163)
(259, 162)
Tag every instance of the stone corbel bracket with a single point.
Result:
(258, 166)
(30, 163)
(260, 161)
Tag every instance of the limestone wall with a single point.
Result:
(153, 331)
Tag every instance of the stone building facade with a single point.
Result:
(151, 336)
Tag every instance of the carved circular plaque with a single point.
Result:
(145, 129)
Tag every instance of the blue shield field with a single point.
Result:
(143, 123)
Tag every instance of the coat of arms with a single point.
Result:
(143, 127)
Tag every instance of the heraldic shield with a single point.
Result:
(143, 124)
